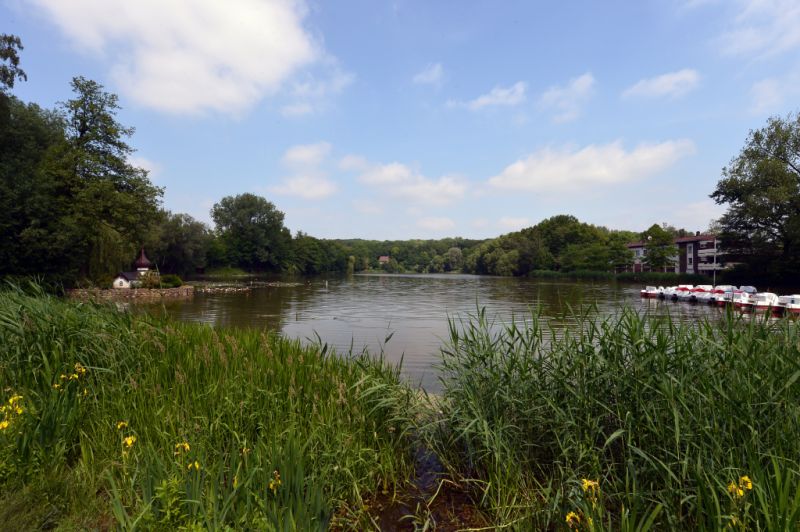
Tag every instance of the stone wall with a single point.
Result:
(143, 295)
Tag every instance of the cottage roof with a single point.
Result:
(129, 276)
(142, 261)
(694, 238)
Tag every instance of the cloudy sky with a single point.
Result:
(419, 119)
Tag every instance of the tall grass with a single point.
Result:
(680, 426)
(144, 423)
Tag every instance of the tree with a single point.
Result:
(659, 248)
(10, 46)
(179, 244)
(761, 187)
(253, 233)
(112, 201)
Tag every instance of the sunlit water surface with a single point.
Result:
(363, 310)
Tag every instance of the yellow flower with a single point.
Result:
(745, 483)
(4, 425)
(129, 441)
(275, 483)
(573, 520)
(79, 369)
(195, 465)
(184, 446)
(63, 377)
(122, 425)
(735, 490)
(74, 377)
(19, 410)
(245, 450)
(590, 486)
(14, 399)
(235, 481)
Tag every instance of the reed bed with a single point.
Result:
(624, 423)
(117, 421)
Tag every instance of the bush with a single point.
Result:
(170, 280)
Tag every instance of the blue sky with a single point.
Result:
(418, 119)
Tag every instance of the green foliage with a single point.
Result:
(178, 243)
(169, 280)
(660, 249)
(248, 405)
(73, 207)
(663, 417)
(665, 278)
(10, 46)
(252, 232)
(761, 228)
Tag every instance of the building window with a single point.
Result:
(689, 259)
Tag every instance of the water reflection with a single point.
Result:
(363, 310)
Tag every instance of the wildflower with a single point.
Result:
(573, 520)
(74, 377)
(19, 410)
(122, 425)
(183, 446)
(56, 386)
(590, 486)
(275, 483)
(79, 369)
(4, 425)
(14, 399)
(63, 377)
(745, 483)
(85, 392)
(235, 481)
(246, 451)
(194, 465)
(129, 441)
(735, 490)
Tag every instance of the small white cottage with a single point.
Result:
(133, 279)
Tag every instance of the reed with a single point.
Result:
(624, 423)
(140, 422)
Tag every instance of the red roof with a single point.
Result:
(142, 261)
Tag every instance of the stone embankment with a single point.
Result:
(142, 295)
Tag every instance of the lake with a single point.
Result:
(363, 310)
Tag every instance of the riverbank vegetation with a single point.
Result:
(110, 419)
(625, 423)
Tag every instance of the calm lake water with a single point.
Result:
(363, 310)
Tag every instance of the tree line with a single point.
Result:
(75, 209)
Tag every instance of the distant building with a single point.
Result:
(383, 259)
(693, 254)
(134, 279)
(699, 254)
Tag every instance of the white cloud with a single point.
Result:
(398, 180)
(505, 96)
(309, 180)
(306, 186)
(353, 163)
(367, 207)
(671, 85)
(567, 102)
(432, 74)
(513, 224)
(595, 165)
(152, 167)
(189, 56)
(763, 28)
(307, 155)
(436, 224)
(387, 174)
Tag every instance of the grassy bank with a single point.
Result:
(628, 423)
(113, 420)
